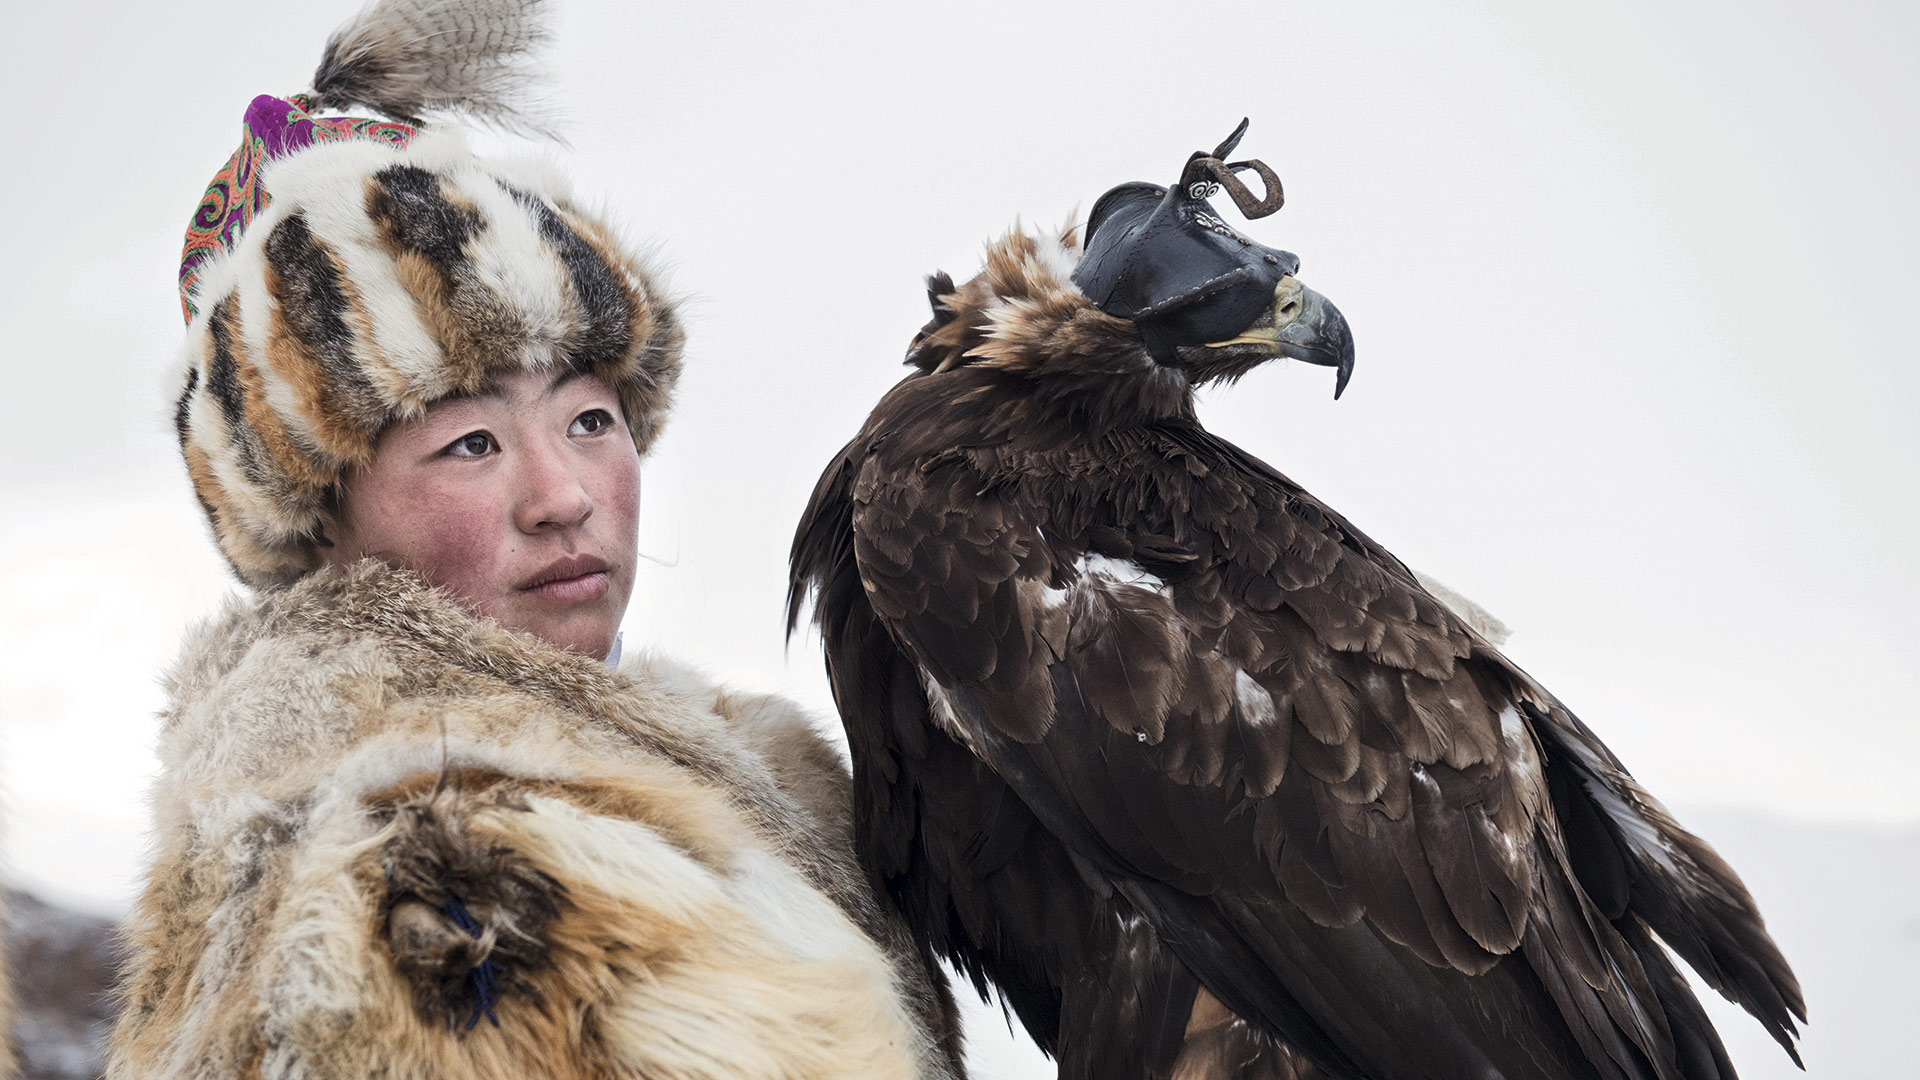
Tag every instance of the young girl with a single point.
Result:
(412, 821)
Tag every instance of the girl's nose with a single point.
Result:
(551, 496)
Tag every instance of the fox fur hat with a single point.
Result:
(343, 273)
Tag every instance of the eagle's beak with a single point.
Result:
(1303, 325)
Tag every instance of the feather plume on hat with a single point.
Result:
(345, 272)
(411, 58)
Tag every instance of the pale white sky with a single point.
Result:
(1630, 282)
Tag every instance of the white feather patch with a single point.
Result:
(1519, 744)
(1121, 572)
(1256, 704)
(1480, 619)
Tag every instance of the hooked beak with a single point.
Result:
(1302, 325)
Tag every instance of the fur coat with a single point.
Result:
(395, 839)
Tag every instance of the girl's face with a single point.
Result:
(523, 501)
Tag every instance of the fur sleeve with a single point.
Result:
(812, 772)
(809, 768)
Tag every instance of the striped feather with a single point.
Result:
(409, 59)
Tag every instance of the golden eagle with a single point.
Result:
(1195, 772)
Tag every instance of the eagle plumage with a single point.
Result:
(1199, 775)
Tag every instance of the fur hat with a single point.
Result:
(343, 273)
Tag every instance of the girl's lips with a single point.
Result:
(574, 590)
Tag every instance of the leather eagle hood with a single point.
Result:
(1164, 259)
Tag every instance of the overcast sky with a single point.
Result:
(1631, 285)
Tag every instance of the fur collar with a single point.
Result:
(334, 615)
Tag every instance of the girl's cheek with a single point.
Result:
(625, 497)
(458, 542)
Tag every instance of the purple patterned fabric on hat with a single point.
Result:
(273, 128)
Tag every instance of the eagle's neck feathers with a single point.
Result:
(1021, 324)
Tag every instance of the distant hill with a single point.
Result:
(62, 964)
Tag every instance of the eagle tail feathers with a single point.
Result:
(1669, 878)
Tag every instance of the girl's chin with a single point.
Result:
(595, 641)
(589, 633)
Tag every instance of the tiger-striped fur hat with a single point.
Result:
(343, 273)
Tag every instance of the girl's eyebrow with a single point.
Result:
(488, 390)
(492, 389)
(565, 376)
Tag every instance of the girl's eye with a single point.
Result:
(474, 444)
(591, 422)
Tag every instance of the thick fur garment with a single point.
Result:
(380, 280)
(395, 839)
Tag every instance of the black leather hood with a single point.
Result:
(1165, 259)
